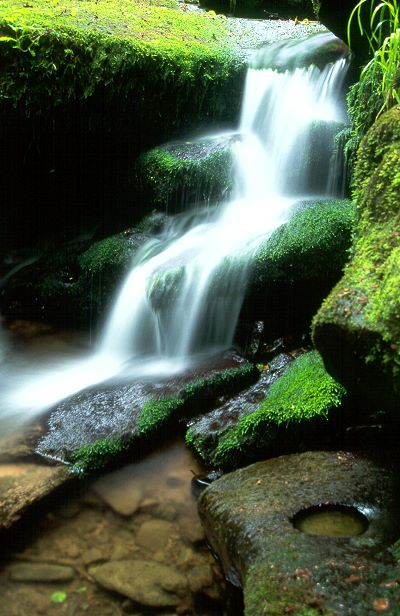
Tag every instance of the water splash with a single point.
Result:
(185, 290)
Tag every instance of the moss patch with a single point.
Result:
(305, 393)
(67, 49)
(312, 244)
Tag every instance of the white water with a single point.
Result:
(203, 286)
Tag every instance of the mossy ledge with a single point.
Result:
(357, 329)
(298, 405)
(158, 415)
(85, 88)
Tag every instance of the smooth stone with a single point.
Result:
(40, 572)
(155, 534)
(92, 555)
(146, 582)
(122, 498)
(192, 530)
(200, 577)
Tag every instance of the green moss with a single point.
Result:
(156, 413)
(175, 175)
(364, 100)
(312, 244)
(304, 393)
(96, 455)
(66, 41)
(222, 383)
(267, 593)
(365, 303)
(115, 252)
(163, 287)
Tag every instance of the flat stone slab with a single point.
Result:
(22, 484)
(248, 519)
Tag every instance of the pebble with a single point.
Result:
(40, 572)
(121, 499)
(155, 534)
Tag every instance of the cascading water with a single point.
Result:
(185, 290)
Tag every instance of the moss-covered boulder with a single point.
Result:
(191, 173)
(82, 275)
(296, 267)
(294, 414)
(357, 329)
(85, 87)
(248, 517)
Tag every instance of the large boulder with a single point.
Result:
(249, 516)
(357, 329)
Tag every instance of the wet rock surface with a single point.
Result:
(204, 431)
(248, 518)
(114, 409)
(85, 557)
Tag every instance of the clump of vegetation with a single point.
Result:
(59, 51)
(96, 455)
(379, 86)
(304, 393)
(156, 413)
(227, 382)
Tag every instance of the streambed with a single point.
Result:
(79, 555)
(74, 553)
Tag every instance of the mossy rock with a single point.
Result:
(357, 329)
(313, 243)
(98, 426)
(86, 88)
(248, 518)
(191, 173)
(295, 411)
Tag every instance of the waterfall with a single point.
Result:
(279, 113)
(185, 289)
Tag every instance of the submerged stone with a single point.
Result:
(40, 572)
(145, 582)
(248, 516)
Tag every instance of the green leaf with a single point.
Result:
(58, 597)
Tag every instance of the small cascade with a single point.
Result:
(184, 293)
